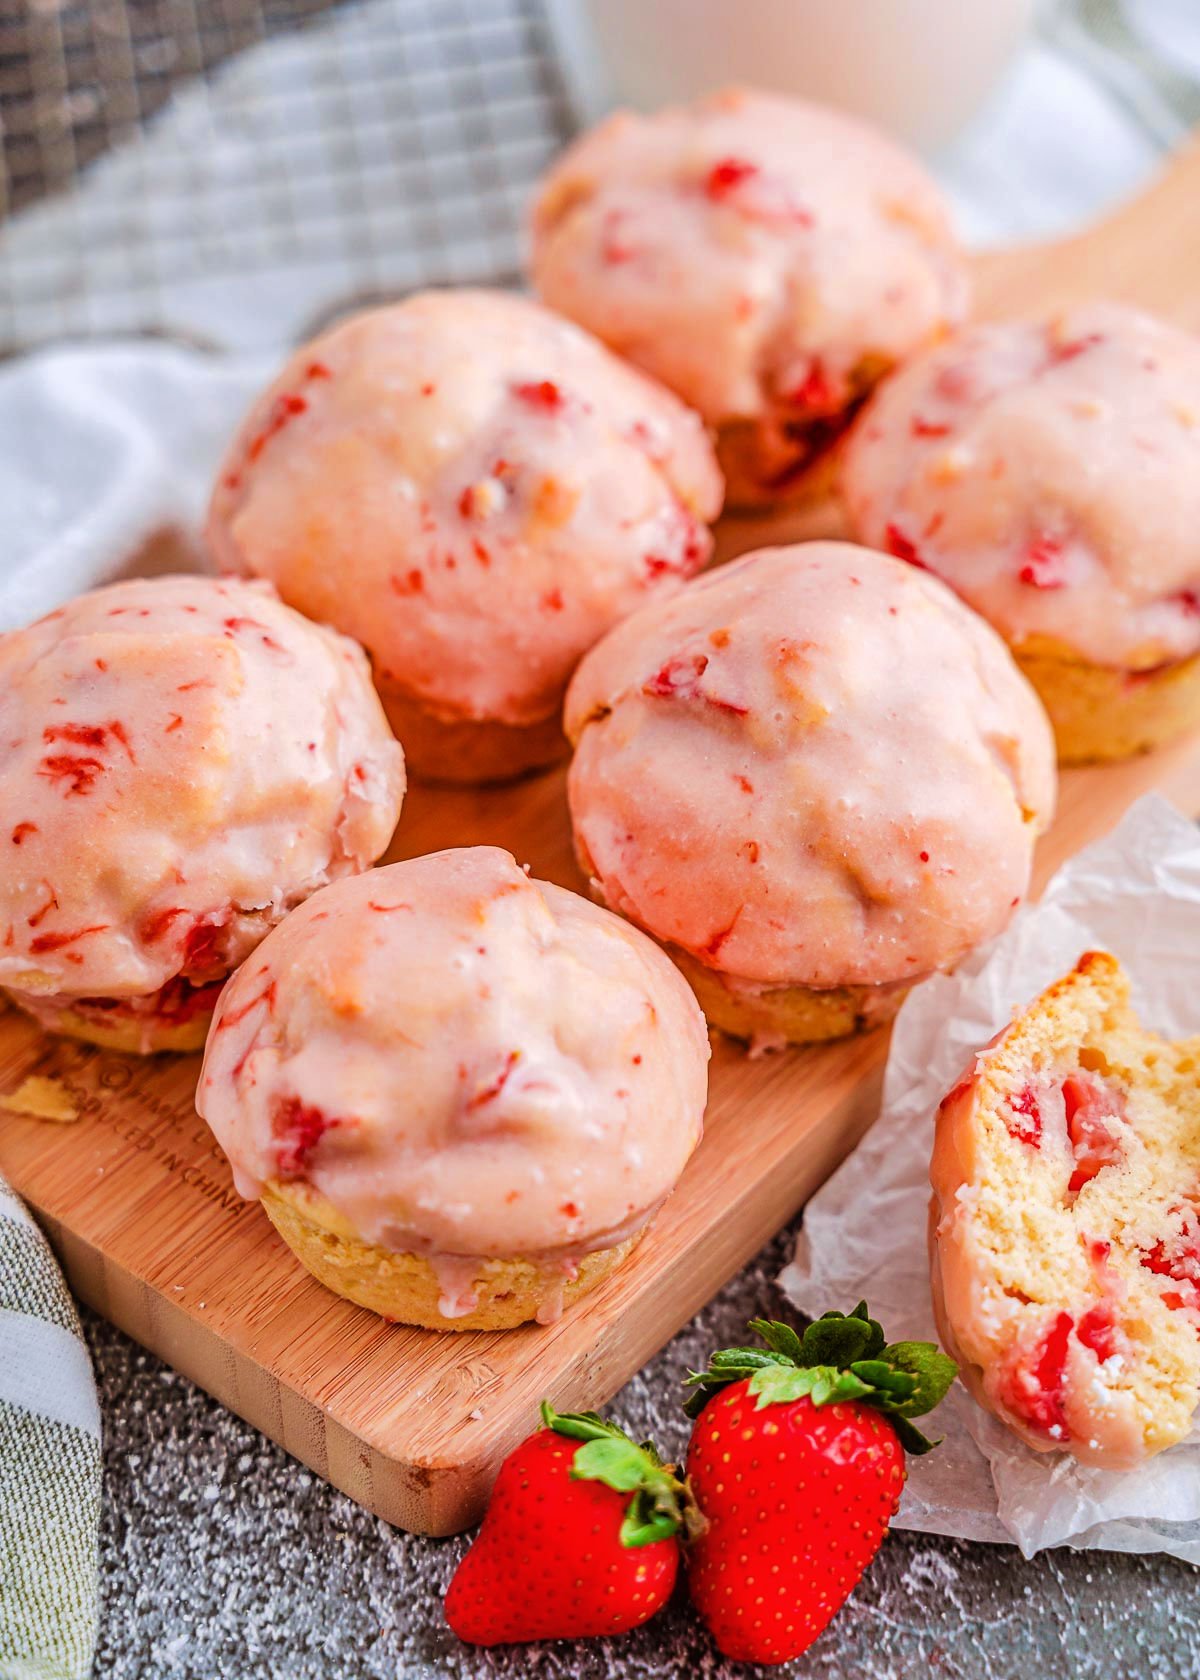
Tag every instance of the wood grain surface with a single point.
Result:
(138, 1201)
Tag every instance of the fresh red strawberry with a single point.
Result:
(796, 1465)
(579, 1539)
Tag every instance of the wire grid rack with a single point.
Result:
(233, 171)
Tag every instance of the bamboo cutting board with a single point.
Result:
(138, 1202)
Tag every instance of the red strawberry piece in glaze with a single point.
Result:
(1043, 566)
(817, 389)
(297, 1128)
(727, 174)
(679, 679)
(541, 394)
(796, 1465)
(579, 1540)
(1092, 1106)
(903, 547)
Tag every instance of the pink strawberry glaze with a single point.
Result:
(813, 766)
(502, 1069)
(237, 757)
(760, 238)
(476, 491)
(1054, 482)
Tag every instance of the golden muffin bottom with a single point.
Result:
(1101, 713)
(462, 750)
(135, 1035)
(404, 1287)
(795, 1014)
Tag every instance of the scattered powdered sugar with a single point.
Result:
(282, 1578)
(1136, 893)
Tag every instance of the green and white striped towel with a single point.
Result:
(49, 1464)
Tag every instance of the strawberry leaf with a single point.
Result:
(618, 1464)
(606, 1454)
(839, 1357)
(780, 1338)
(933, 1370)
(877, 1373)
(580, 1426)
(838, 1340)
(822, 1384)
(911, 1438)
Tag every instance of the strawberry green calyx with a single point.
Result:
(839, 1357)
(656, 1509)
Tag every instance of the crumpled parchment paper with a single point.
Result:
(1136, 893)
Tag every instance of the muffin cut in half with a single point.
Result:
(1065, 1224)
(461, 1094)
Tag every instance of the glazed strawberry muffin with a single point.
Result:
(461, 1094)
(1065, 1229)
(1049, 471)
(767, 259)
(475, 490)
(182, 761)
(816, 777)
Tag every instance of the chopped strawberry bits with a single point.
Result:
(678, 677)
(1097, 1330)
(1024, 1118)
(1043, 565)
(491, 1088)
(56, 941)
(1066, 350)
(728, 174)
(903, 547)
(1036, 1383)
(76, 772)
(202, 946)
(298, 1128)
(284, 409)
(73, 771)
(1094, 1110)
(1036, 1388)
(681, 549)
(541, 394)
(1177, 1257)
(817, 389)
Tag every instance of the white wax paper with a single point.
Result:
(1136, 893)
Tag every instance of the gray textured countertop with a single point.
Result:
(224, 1559)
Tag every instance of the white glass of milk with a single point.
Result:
(919, 68)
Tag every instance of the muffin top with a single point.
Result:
(474, 489)
(462, 1060)
(813, 767)
(1049, 471)
(181, 760)
(748, 250)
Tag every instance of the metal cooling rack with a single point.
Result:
(367, 148)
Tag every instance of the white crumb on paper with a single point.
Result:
(1136, 893)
